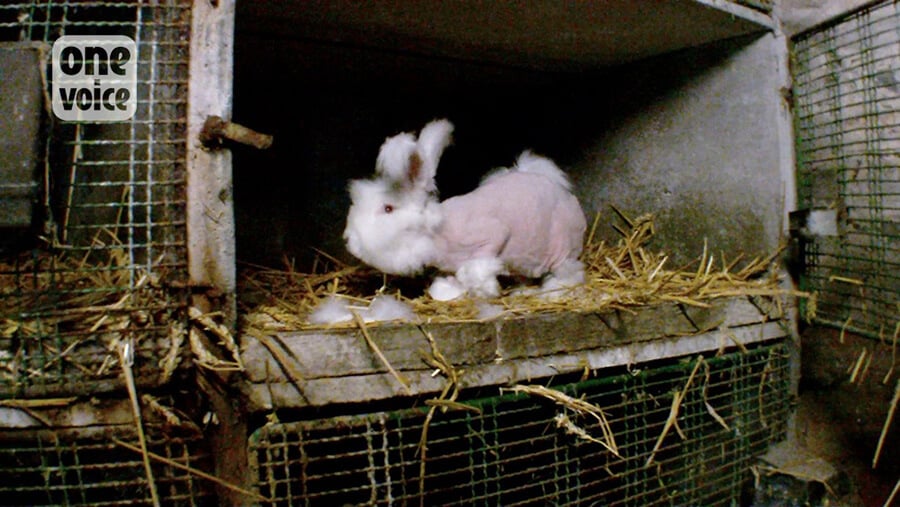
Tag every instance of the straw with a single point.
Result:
(372, 345)
(672, 420)
(622, 276)
(887, 424)
(446, 400)
(578, 406)
(125, 359)
(193, 471)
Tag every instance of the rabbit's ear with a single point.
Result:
(433, 139)
(398, 160)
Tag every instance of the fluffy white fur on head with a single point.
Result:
(390, 228)
(413, 162)
(394, 156)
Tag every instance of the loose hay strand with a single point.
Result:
(169, 362)
(78, 296)
(226, 338)
(125, 360)
(192, 471)
(372, 345)
(887, 424)
(672, 420)
(288, 364)
(887, 376)
(890, 499)
(859, 362)
(452, 405)
(163, 411)
(578, 406)
(447, 399)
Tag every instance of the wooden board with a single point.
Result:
(339, 366)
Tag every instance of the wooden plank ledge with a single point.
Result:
(338, 367)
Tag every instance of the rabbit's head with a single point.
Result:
(393, 217)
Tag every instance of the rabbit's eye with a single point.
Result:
(388, 208)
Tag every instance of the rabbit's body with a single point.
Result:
(522, 220)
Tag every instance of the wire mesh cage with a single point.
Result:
(515, 449)
(107, 258)
(84, 466)
(847, 115)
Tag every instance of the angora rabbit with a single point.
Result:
(520, 221)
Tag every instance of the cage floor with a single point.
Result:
(512, 449)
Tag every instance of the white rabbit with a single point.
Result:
(523, 220)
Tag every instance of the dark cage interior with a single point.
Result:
(648, 133)
(107, 243)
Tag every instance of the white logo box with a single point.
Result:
(94, 78)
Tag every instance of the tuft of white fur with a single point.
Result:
(393, 157)
(569, 273)
(446, 288)
(385, 308)
(479, 276)
(822, 223)
(11, 417)
(528, 162)
(331, 311)
(488, 311)
(335, 310)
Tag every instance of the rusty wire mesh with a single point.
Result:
(111, 220)
(514, 453)
(847, 115)
(82, 466)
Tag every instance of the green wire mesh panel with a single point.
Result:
(108, 243)
(85, 467)
(847, 114)
(516, 449)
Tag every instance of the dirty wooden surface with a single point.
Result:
(338, 366)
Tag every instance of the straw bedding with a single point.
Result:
(72, 304)
(621, 276)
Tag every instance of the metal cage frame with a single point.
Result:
(513, 449)
(111, 263)
(847, 129)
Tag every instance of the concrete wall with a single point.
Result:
(694, 139)
(799, 15)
